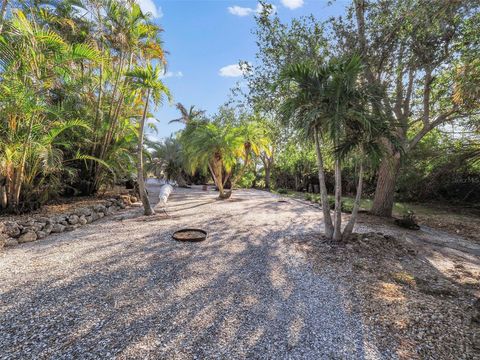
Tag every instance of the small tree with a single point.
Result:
(328, 104)
(147, 82)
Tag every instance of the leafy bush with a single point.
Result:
(282, 191)
(347, 207)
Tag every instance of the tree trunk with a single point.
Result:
(327, 218)
(216, 170)
(347, 232)
(337, 231)
(385, 190)
(3, 11)
(268, 170)
(267, 165)
(19, 173)
(3, 196)
(254, 170)
(141, 182)
(213, 174)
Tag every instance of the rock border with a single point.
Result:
(36, 228)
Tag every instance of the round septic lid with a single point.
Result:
(190, 235)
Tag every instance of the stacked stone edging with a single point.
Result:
(35, 228)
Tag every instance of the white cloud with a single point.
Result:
(292, 4)
(245, 11)
(240, 11)
(148, 6)
(170, 74)
(234, 70)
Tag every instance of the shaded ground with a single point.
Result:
(123, 288)
(460, 221)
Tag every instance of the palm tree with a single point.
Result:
(305, 110)
(255, 142)
(166, 160)
(207, 145)
(187, 116)
(132, 35)
(147, 82)
(31, 59)
(3, 11)
(222, 149)
(327, 103)
(362, 143)
(343, 104)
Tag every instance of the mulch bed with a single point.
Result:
(423, 311)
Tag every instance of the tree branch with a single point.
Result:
(442, 118)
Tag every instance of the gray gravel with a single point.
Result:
(122, 288)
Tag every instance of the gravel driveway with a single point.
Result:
(122, 288)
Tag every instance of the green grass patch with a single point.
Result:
(399, 209)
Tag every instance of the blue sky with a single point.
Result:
(204, 36)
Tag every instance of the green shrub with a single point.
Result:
(331, 202)
(282, 191)
(309, 197)
(347, 207)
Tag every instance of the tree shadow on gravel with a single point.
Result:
(245, 292)
(240, 294)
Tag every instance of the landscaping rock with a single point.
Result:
(37, 226)
(44, 220)
(11, 229)
(73, 219)
(58, 228)
(33, 228)
(11, 242)
(125, 199)
(27, 222)
(99, 208)
(133, 199)
(29, 236)
(41, 234)
(48, 228)
(83, 211)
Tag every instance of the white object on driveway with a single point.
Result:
(165, 192)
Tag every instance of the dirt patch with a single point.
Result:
(424, 309)
(467, 226)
